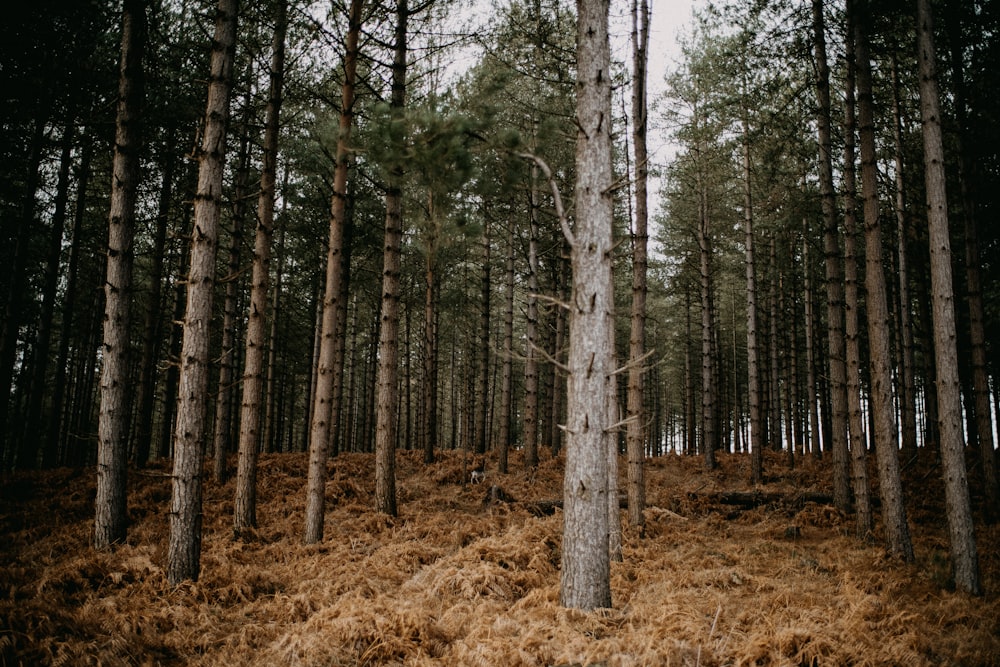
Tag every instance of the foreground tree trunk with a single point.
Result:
(184, 550)
(864, 519)
(245, 502)
(387, 388)
(964, 556)
(636, 430)
(110, 518)
(507, 372)
(531, 334)
(834, 285)
(586, 567)
(893, 511)
(754, 388)
(323, 394)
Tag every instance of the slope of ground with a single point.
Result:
(456, 581)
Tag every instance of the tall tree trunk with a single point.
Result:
(887, 450)
(964, 556)
(864, 519)
(245, 502)
(320, 426)
(110, 521)
(754, 388)
(430, 383)
(507, 372)
(834, 286)
(709, 402)
(815, 438)
(184, 551)
(387, 402)
(531, 334)
(907, 388)
(483, 359)
(636, 430)
(227, 359)
(585, 580)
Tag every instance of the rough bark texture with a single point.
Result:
(531, 335)
(753, 348)
(387, 401)
(110, 521)
(245, 501)
(636, 431)
(585, 577)
(184, 550)
(323, 394)
(834, 284)
(893, 511)
(964, 556)
(507, 372)
(864, 519)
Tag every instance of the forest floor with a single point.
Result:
(458, 581)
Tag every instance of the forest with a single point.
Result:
(366, 332)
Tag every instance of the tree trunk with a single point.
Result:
(430, 383)
(531, 334)
(184, 551)
(753, 348)
(831, 250)
(245, 502)
(636, 430)
(887, 451)
(709, 402)
(320, 427)
(387, 402)
(585, 579)
(227, 359)
(907, 388)
(964, 556)
(482, 402)
(110, 521)
(507, 372)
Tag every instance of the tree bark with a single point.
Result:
(245, 502)
(507, 371)
(387, 401)
(887, 450)
(636, 430)
(531, 334)
(834, 286)
(320, 426)
(964, 556)
(110, 521)
(585, 578)
(184, 550)
(753, 347)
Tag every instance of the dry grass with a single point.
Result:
(451, 582)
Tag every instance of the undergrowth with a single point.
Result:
(458, 580)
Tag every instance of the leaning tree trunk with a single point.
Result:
(387, 402)
(245, 501)
(585, 579)
(964, 556)
(893, 510)
(834, 286)
(323, 394)
(110, 521)
(636, 429)
(184, 551)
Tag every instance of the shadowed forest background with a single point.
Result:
(254, 253)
